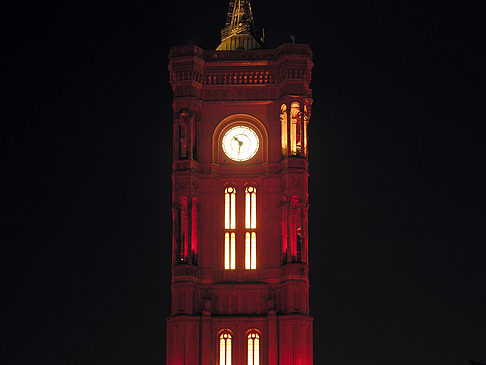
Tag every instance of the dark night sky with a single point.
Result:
(398, 256)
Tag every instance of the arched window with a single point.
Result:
(295, 129)
(225, 349)
(253, 348)
(250, 228)
(229, 228)
(283, 127)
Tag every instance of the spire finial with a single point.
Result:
(240, 31)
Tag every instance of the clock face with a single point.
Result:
(240, 143)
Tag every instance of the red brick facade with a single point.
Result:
(214, 91)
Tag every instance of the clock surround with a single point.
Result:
(240, 143)
(225, 124)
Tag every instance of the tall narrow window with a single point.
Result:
(295, 129)
(183, 121)
(283, 128)
(299, 244)
(284, 228)
(225, 349)
(194, 223)
(182, 232)
(229, 228)
(253, 349)
(296, 235)
(306, 123)
(250, 228)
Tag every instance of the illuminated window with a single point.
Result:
(283, 127)
(253, 349)
(250, 228)
(229, 227)
(225, 349)
(295, 129)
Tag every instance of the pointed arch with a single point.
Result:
(253, 338)
(225, 342)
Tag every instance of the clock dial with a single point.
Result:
(240, 143)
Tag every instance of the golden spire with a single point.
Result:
(240, 31)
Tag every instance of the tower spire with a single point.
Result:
(240, 31)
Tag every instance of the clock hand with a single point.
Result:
(239, 143)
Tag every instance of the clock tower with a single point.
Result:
(240, 257)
